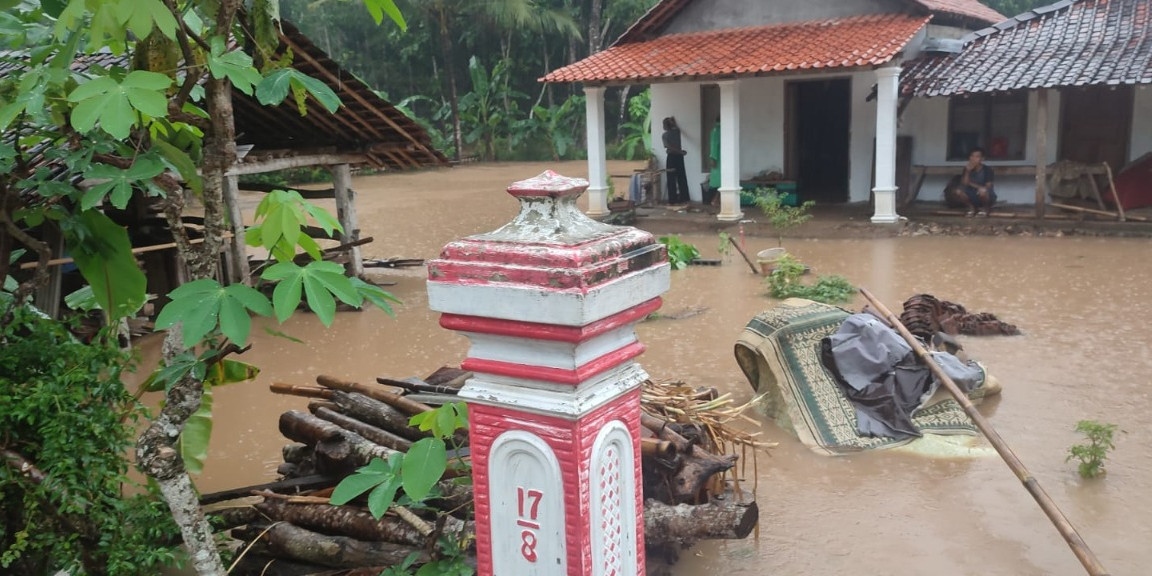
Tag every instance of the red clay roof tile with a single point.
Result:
(841, 43)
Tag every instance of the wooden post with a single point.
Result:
(554, 401)
(346, 214)
(240, 271)
(1041, 148)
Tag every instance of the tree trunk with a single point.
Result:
(450, 70)
(345, 521)
(595, 42)
(377, 414)
(685, 524)
(371, 433)
(288, 541)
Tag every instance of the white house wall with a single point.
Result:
(762, 119)
(1141, 122)
(926, 121)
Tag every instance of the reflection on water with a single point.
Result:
(1082, 304)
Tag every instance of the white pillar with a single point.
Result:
(346, 214)
(730, 151)
(884, 194)
(597, 156)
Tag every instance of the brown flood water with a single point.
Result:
(1082, 303)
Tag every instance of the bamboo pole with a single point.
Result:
(140, 250)
(736, 245)
(1095, 211)
(1041, 147)
(1063, 525)
(1115, 196)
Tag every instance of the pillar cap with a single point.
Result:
(550, 244)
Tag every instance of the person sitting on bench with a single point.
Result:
(973, 190)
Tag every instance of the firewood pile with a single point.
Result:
(289, 528)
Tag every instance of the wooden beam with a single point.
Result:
(300, 52)
(1041, 149)
(237, 248)
(274, 164)
(140, 250)
(346, 214)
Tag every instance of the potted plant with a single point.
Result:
(782, 216)
(618, 203)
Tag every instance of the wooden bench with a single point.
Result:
(1053, 171)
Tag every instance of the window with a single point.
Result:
(998, 124)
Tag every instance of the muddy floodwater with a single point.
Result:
(1083, 305)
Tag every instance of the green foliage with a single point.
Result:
(1011, 8)
(786, 281)
(781, 216)
(488, 109)
(556, 127)
(725, 247)
(636, 133)
(204, 305)
(275, 88)
(237, 67)
(67, 413)
(680, 253)
(416, 471)
(114, 105)
(103, 253)
(1094, 453)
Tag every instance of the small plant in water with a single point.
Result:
(725, 248)
(680, 253)
(781, 216)
(1092, 454)
(785, 282)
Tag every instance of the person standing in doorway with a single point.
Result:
(677, 176)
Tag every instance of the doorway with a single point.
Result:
(1095, 124)
(818, 135)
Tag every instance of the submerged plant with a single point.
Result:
(781, 216)
(1093, 454)
(786, 282)
(680, 253)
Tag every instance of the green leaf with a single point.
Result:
(140, 15)
(199, 305)
(235, 65)
(280, 334)
(274, 88)
(113, 105)
(382, 496)
(286, 296)
(103, 253)
(229, 372)
(83, 300)
(375, 295)
(423, 465)
(324, 218)
(196, 435)
(378, 8)
(319, 299)
(354, 485)
(119, 182)
(182, 162)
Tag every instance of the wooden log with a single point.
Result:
(295, 543)
(318, 404)
(302, 391)
(657, 447)
(296, 453)
(292, 486)
(371, 433)
(694, 466)
(229, 518)
(287, 469)
(349, 521)
(307, 429)
(685, 524)
(395, 400)
(375, 413)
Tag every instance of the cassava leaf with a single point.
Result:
(196, 435)
(103, 253)
(423, 465)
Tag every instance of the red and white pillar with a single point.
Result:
(550, 302)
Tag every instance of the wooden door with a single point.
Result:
(1095, 124)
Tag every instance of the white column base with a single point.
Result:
(597, 201)
(885, 201)
(729, 205)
